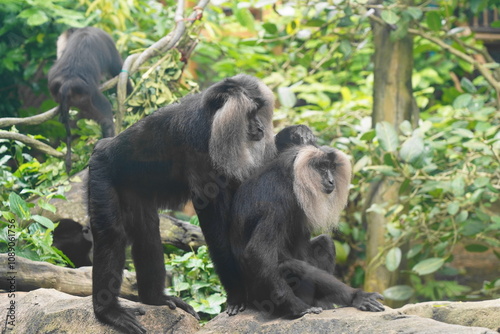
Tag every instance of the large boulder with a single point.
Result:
(51, 311)
(456, 318)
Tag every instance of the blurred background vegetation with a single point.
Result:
(409, 89)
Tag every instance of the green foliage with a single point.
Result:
(438, 289)
(29, 175)
(393, 258)
(32, 233)
(159, 86)
(399, 292)
(447, 170)
(195, 281)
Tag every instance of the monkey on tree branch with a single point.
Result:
(84, 56)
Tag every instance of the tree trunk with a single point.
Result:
(392, 102)
(31, 275)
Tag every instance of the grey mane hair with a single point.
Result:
(62, 41)
(229, 148)
(266, 114)
(322, 210)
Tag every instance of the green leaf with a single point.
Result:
(472, 227)
(287, 97)
(453, 208)
(368, 135)
(389, 16)
(315, 22)
(414, 12)
(34, 16)
(245, 18)
(270, 28)
(387, 136)
(433, 20)
(462, 216)
(341, 253)
(18, 206)
(404, 186)
(483, 126)
(393, 258)
(414, 251)
(399, 292)
(361, 164)
(476, 248)
(465, 65)
(462, 101)
(389, 160)
(46, 206)
(345, 21)
(346, 48)
(495, 24)
(476, 145)
(8, 216)
(481, 214)
(458, 186)
(216, 299)
(181, 286)
(428, 266)
(412, 149)
(27, 13)
(463, 133)
(468, 85)
(405, 127)
(46, 222)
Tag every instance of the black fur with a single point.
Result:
(285, 273)
(88, 54)
(74, 240)
(294, 135)
(161, 162)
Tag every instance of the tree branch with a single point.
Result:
(121, 91)
(166, 43)
(36, 144)
(488, 75)
(33, 120)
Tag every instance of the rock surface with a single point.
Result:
(454, 318)
(482, 314)
(51, 311)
